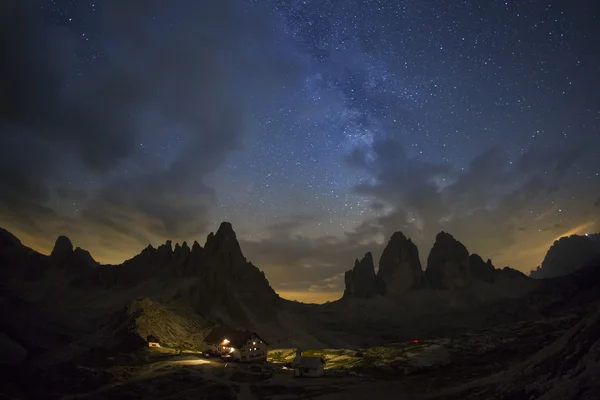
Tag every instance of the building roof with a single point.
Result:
(237, 338)
(309, 362)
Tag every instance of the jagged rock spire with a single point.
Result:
(62, 246)
(360, 281)
(448, 263)
(224, 242)
(399, 266)
(481, 270)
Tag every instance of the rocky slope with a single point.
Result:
(563, 367)
(567, 255)
(173, 324)
(74, 295)
(59, 309)
(566, 369)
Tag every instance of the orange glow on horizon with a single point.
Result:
(583, 228)
(310, 297)
(524, 256)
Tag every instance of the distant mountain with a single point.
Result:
(66, 304)
(567, 255)
(223, 279)
(449, 267)
(399, 267)
(77, 295)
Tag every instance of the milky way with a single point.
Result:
(317, 128)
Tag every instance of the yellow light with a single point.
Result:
(253, 342)
(226, 341)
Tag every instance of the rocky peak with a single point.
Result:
(62, 246)
(166, 248)
(512, 273)
(195, 258)
(399, 266)
(84, 257)
(182, 252)
(197, 250)
(360, 280)
(224, 242)
(567, 255)
(196, 247)
(481, 270)
(225, 228)
(448, 263)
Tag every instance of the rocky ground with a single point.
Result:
(509, 361)
(71, 328)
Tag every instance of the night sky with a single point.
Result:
(316, 127)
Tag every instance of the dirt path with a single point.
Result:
(208, 373)
(152, 370)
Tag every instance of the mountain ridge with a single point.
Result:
(567, 255)
(77, 296)
(449, 266)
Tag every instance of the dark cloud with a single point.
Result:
(492, 197)
(289, 226)
(293, 261)
(377, 206)
(554, 227)
(65, 117)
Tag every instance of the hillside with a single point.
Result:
(72, 322)
(177, 292)
(567, 255)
